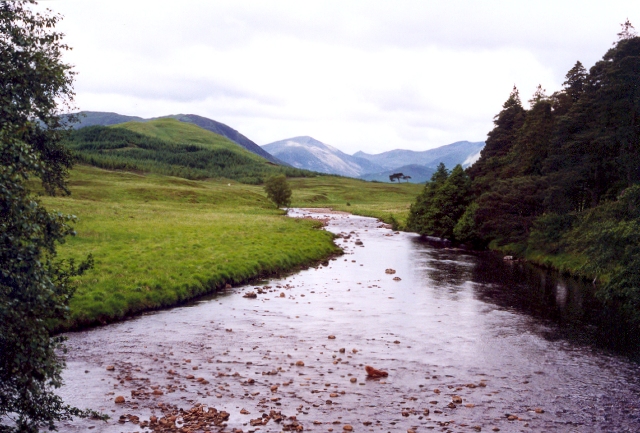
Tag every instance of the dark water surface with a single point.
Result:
(519, 346)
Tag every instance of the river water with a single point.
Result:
(470, 343)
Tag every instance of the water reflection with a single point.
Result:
(564, 307)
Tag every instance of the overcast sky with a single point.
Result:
(359, 75)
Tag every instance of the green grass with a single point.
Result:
(174, 131)
(379, 200)
(158, 241)
(172, 148)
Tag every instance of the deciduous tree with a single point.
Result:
(278, 190)
(34, 286)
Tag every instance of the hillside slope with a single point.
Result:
(170, 147)
(225, 131)
(310, 154)
(100, 118)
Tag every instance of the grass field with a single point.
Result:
(386, 201)
(158, 241)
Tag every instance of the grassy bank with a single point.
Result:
(158, 241)
(385, 201)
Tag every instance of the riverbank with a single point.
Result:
(161, 241)
(470, 343)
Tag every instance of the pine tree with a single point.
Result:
(499, 141)
(575, 81)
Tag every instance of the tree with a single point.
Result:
(396, 176)
(278, 190)
(576, 78)
(441, 204)
(627, 32)
(34, 286)
(499, 141)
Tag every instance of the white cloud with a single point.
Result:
(359, 75)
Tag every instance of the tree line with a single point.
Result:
(559, 181)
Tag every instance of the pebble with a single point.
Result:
(119, 399)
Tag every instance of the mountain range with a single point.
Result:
(308, 153)
(460, 152)
(311, 154)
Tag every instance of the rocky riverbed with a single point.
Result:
(461, 353)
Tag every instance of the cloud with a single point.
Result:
(359, 75)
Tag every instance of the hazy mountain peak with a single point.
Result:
(311, 154)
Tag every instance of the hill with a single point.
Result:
(226, 131)
(99, 118)
(168, 146)
(460, 152)
(418, 173)
(102, 118)
(311, 154)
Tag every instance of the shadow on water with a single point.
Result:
(567, 307)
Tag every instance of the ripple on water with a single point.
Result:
(501, 338)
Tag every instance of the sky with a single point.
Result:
(358, 75)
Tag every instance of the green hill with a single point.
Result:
(170, 147)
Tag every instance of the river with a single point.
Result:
(470, 343)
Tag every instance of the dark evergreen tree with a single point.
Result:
(499, 141)
(595, 152)
(575, 81)
(627, 31)
(420, 214)
(441, 204)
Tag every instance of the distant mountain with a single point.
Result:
(311, 154)
(461, 152)
(418, 173)
(99, 118)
